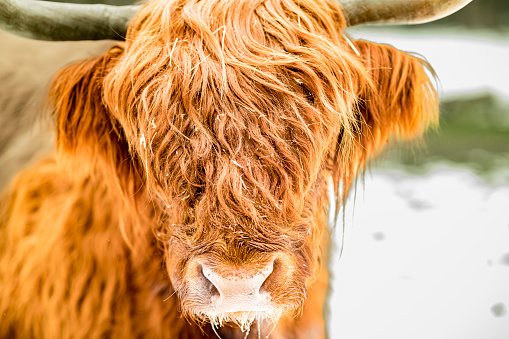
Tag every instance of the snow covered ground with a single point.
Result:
(423, 258)
(428, 257)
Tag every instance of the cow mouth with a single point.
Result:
(245, 303)
(243, 319)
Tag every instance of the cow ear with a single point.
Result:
(395, 98)
(86, 131)
(400, 101)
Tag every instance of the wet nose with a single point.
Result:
(236, 291)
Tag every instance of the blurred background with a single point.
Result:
(469, 52)
(422, 247)
(425, 237)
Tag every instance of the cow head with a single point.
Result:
(230, 118)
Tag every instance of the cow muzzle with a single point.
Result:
(222, 292)
(237, 291)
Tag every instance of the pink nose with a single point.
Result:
(237, 292)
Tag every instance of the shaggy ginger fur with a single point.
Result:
(212, 132)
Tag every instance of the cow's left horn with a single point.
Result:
(44, 20)
(398, 12)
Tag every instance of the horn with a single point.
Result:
(398, 12)
(43, 20)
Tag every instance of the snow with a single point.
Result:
(428, 257)
(423, 257)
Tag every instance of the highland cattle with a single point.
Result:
(188, 193)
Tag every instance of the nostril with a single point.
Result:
(207, 282)
(271, 273)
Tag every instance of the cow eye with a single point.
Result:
(190, 231)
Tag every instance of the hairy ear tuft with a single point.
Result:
(395, 98)
(85, 128)
(401, 100)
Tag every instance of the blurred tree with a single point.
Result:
(478, 14)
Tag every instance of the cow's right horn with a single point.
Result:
(398, 12)
(43, 20)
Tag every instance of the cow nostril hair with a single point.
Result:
(207, 283)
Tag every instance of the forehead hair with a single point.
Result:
(235, 107)
(235, 113)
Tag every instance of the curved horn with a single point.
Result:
(42, 20)
(398, 12)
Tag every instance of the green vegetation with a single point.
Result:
(473, 133)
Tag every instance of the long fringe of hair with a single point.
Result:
(223, 119)
(233, 115)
